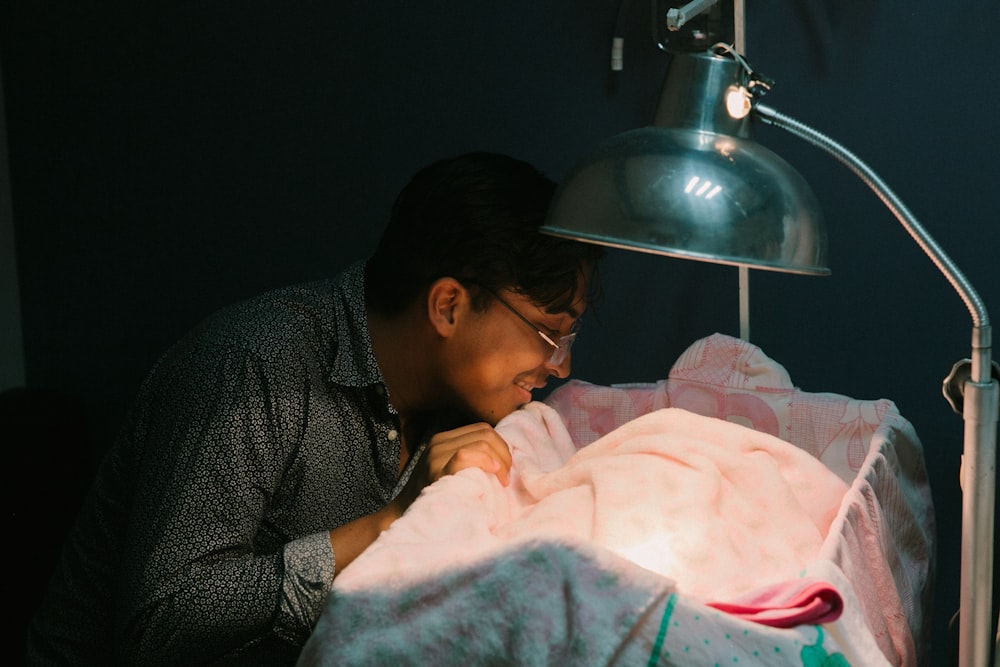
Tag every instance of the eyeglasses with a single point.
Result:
(560, 346)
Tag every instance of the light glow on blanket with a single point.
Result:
(652, 552)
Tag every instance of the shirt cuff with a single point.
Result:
(308, 577)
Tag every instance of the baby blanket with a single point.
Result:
(719, 508)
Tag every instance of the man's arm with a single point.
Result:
(213, 453)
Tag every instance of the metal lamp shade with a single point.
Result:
(687, 191)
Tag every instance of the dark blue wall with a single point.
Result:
(170, 157)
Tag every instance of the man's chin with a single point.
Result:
(498, 414)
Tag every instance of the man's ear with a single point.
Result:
(445, 298)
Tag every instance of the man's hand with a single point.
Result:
(471, 446)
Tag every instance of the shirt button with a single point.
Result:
(392, 434)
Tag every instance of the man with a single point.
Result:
(273, 444)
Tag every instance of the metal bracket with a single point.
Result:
(678, 16)
(953, 386)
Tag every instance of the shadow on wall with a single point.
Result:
(48, 445)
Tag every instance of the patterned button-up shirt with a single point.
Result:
(206, 534)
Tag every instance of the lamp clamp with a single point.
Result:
(953, 386)
(756, 84)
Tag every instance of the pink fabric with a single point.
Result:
(886, 544)
(637, 468)
(883, 537)
(787, 604)
(725, 377)
(719, 508)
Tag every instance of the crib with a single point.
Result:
(718, 516)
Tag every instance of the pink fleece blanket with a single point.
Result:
(719, 508)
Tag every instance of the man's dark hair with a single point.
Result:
(475, 218)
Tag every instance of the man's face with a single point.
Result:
(501, 357)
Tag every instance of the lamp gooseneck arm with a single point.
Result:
(979, 410)
(972, 301)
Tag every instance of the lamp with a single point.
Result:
(694, 185)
